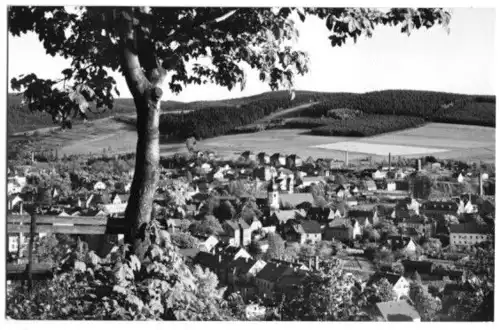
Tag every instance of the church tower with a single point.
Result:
(273, 196)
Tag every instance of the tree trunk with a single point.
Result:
(144, 87)
(143, 188)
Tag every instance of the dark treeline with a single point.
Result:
(368, 125)
(215, 121)
(432, 106)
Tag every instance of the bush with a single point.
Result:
(184, 240)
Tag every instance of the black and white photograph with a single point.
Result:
(229, 161)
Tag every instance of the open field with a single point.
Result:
(444, 140)
(379, 149)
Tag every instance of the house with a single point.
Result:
(400, 286)
(323, 214)
(208, 245)
(391, 186)
(403, 243)
(419, 224)
(342, 230)
(364, 215)
(435, 208)
(293, 161)
(99, 185)
(113, 210)
(378, 174)
(393, 311)
(368, 185)
(238, 231)
(119, 198)
(309, 180)
(267, 278)
(302, 231)
(263, 158)
(248, 156)
(278, 160)
(467, 234)
(406, 208)
(263, 173)
(245, 269)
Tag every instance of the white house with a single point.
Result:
(379, 174)
(391, 186)
(99, 185)
(460, 178)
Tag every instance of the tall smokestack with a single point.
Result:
(419, 164)
(480, 184)
(347, 158)
(389, 161)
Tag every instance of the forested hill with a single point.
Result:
(214, 121)
(222, 116)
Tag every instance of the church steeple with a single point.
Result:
(273, 195)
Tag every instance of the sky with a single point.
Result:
(460, 62)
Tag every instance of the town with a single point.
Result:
(414, 235)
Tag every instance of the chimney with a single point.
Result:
(480, 183)
(419, 165)
(316, 262)
(389, 161)
(310, 262)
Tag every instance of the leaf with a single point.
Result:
(329, 22)
(117, 91)
(135, 264)
(351, 26)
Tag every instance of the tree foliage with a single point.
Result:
(276, 246)
(124, 286)
(326, 295)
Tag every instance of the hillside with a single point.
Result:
(245, 117)
(21, 119)
(223, 116)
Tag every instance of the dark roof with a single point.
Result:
(391, 277)
(206, 260)
(271, 272)
(243, 265)
(311, 226)
(232, 224)
(468, 228)
(440, 206)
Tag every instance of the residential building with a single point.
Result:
(302, 231)
(365, 215)
(434, 208)
(400, 285)
(467, 234)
